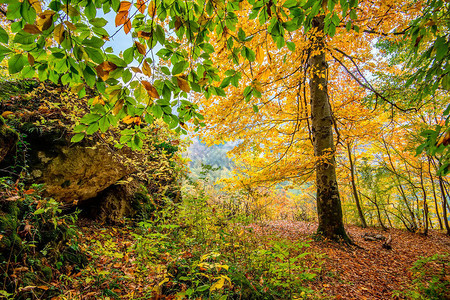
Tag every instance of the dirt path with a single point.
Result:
(368, 273)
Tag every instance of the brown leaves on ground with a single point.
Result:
(367, 273)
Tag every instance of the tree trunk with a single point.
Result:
(355, 191)
(436, 207)
(329, 208)
(444, 205)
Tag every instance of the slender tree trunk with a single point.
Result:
(329, 208)
(436, 207)
(355, 191)
(425, 204)
(444, 205)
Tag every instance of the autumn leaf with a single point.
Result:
(127, 26)
(30, 59)
(151, 90)
(146, 69)
(124, 6)
(128, 120)
(152, 8)
(121, 18)
(259, 55)
(136, 70)
(141, 6)
(36, 4)
(141, 48)
(118, 106)
(70, 25)
(145, 35)
(31, 28)
(45, 20)
(183, 84)
(58, 33)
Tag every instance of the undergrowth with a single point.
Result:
(191, 250)
(35, 242)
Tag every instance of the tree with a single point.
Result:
(64, 43)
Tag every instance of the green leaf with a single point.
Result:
(255, 108)
(23, 38)
(104, 124)
(203, 288)
(3, 36)
(128, 55)
(160, 35)
(16, 63)
(98, 22)
(179, 67)
(157, 111)
(4, 50)
(290, 46)
(93, 42)
(77, 137)
(95, 54)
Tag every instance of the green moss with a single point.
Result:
(47, 272)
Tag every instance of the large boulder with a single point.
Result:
(73, 173)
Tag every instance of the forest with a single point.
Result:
(224, 149)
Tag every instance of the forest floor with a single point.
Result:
(366, 271)
(369, 272)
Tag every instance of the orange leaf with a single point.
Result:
(152, 8)
(128, 120)
(150, 89)
(145, 35)
(104, 69)
(121, 18)
(141, 6)
(127, 26)
(31, 28)
(183, 85)
(141, 48)
(136, 70)
(124, 6)
(146, 69)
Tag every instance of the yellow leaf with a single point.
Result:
(183, 85)
(45, 20)
(259, 55)
(36, 4)
(6, 113)
(136, 70)
(146, 69)
(98, 100)
(140, 47)
(58, 33)
(128, 120)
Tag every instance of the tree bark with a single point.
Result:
(436, 207)
(444, 205)
(355, 191)
(329, 208)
